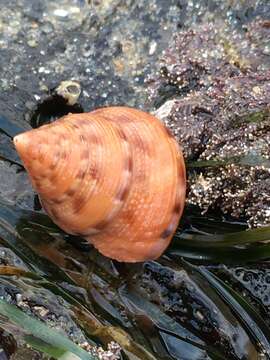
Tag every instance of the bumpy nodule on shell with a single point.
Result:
(114, 176)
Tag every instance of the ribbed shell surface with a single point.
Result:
(114, 176)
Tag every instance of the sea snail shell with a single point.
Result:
(114, 176)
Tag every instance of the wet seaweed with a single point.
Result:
(252, 321)
(123, 313)
(10, 128)
(126, 311)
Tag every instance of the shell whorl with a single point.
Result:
(114, 176)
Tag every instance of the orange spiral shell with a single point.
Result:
(114, 176)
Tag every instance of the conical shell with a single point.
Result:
(114, 176)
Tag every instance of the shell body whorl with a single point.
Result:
(114, 176)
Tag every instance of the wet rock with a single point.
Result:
(218, 80)
(103, 44)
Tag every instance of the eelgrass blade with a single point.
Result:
(228, 248)
(236, 238)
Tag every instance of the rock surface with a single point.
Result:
(217, 79)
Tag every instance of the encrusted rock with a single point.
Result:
(220, 113)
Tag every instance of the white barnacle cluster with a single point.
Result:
(113, 352)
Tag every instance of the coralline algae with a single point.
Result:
(216, 81)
